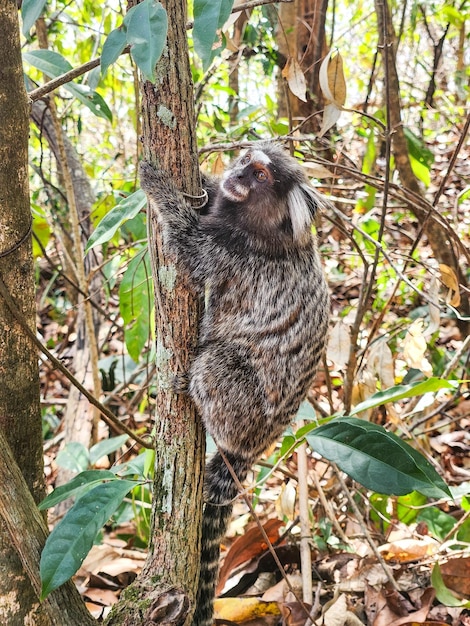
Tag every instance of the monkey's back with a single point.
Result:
(261, 337)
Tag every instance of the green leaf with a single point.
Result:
(53, 64)
(439, 523)
(41, 230)
(72, 538)
(147, 28)
(113, 46)
(76, 486)
(399, 392)
(73, 457)
(209, 17)
(91, 99)
(443, 594)
(377, 459)
(105, 447)
(136, 303)
(30, 11)
(125, 210)
(421, 171)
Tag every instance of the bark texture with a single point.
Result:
(165, 591)
(28, 531)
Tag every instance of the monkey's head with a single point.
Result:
(267, 193)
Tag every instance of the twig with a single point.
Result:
(262, 531)
(305, 527)
(386, 568)
(55, 83)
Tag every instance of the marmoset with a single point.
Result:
(253, 256)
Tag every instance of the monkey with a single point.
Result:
(254, 258)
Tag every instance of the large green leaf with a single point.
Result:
(30, 11)
(74, 456)
(72, 538)
(105, 447)
(209, 17)
(112, 221)
(147, 27)
(78, 484)
(135, 303)
(377, 459)
(113, 46)
(400, 392)
(53, 64)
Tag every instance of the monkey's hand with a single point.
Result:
(182, 234)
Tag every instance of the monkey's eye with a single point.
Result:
(261, 176)
(245, 159)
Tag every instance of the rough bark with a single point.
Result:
(20, 416)
(166, 589)
(28, 531)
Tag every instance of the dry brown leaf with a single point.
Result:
(380, 361)
(333, 86)
(450, 280)
(363, 389)
(339, 343)
(403, 550)
(292, 72)
(331, 115)
(337, 614)
(294, 614)
(434, 310)
(456, 575)
(332, 81)
(247, 547)
(243, 609)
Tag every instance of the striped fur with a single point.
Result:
(253, 256)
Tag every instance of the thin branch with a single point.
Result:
(108, 416)
(262, 531)
(55, 83)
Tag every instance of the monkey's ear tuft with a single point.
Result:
(302, 202)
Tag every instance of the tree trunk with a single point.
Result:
(301, 35)
(27, 531)
(166, 589)
(20, 415)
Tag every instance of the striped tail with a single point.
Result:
(219, 491)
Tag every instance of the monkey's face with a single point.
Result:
(252, 174)
(266, 193)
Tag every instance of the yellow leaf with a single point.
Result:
(332, 82)
(243, 609)
(292, 72)
(451, 281)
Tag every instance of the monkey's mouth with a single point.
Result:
(234, 190)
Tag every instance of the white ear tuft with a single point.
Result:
(302, 203)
